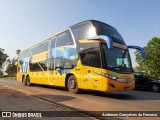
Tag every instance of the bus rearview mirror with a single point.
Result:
(138, 48)
(103, 38)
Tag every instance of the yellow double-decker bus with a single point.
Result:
(90, 55)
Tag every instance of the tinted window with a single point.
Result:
(53, 40)
(138, 75)
(104, 29)
(91, 58)
(40, 48)
(34, 50)
(82, 47)
(84, 30)
(38, 66)
(64, 39)
(50, 64)
(45, 46)
(35, 67)
(117, 59)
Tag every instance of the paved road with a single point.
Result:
(94, 101)
(12, 100)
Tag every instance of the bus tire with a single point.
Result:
(24, 80)
(28, 81)
(72, 84)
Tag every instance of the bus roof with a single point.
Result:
(92, 21)
(46, 38)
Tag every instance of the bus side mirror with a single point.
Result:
(139, 48)
(103, 38)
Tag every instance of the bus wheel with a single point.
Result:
(24, 80)
(28, 81)
(72, 84)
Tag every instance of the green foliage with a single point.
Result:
(138, 69)
(12, 67)
(151, 63)
(1, 72)
(17, 52)
(3, 58)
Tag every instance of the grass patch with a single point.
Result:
(8, 77)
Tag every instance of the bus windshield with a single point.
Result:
(104, 29)
(117, 59)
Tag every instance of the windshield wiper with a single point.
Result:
(117, 68)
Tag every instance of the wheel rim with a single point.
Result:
(155, 88)
(72, 84)
(23, 80)
(28, 81)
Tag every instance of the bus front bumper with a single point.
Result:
(114, 86)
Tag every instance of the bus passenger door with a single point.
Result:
(91, 63)
(94, 79)
(84, 79)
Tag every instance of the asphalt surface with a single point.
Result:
(90, 101)
(12, 100)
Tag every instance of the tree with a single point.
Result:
(12, 67)
(1, 72)
(17, 52)
(3, 58)
(138, 69)
(151, 62)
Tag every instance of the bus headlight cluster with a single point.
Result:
(106, 75)
(112, 77)
(128, 80)
(125, 80)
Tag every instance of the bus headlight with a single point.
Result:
(122, 80)
(128, 80)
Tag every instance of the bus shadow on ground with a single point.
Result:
(124, 95)
(127, 95)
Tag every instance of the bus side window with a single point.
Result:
(64, 39)
(83, 31)
(51, 64)
(91, 58)
(31, 67)
(35, 67)
(53, 40)
(83, 57)
(46, 44)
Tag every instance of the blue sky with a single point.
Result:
(25, 22)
